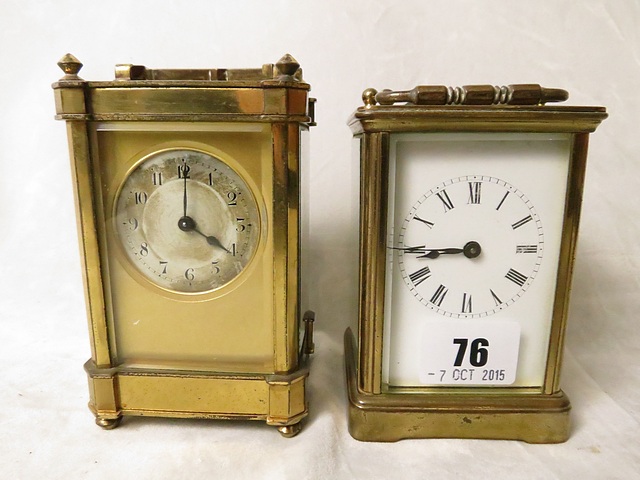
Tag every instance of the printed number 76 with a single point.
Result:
(478, 354)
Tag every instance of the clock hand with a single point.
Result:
(429, 252)
(416, 249)
(471, 250)
(441, 251)
(184, 199)
(188, 224)
(185, 174)
(213, 241)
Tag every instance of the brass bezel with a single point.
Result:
(537, 415)
(222, 157)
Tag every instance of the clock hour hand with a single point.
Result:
(470, 250)
(213, 241)
(435, 253)
(188, 224)
(430, 252)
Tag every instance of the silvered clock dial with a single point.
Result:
(186, 220)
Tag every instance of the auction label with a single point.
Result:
(469, 352)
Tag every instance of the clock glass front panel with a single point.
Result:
(474, 230)
(193, 294)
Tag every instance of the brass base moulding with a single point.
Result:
(388, 417)
(279, 400)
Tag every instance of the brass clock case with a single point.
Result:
(379, 412)
(229, 350)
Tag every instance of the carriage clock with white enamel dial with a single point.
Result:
(469, 206)
(187, 187)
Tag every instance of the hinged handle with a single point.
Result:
(287, 69)
(521, 94)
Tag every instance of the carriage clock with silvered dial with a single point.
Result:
(187, 187)
(470, 201)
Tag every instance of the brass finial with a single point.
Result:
(369, 97)
(287, 66)
(70, 65)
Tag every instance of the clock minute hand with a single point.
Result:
(184, 170)
(470, 250)
(416, 249)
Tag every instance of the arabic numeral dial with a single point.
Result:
(187, 221)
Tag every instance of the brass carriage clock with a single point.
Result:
(187, 187)
(470, 201)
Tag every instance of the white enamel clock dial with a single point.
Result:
(470, 246)
(187, 221)
(474, 232)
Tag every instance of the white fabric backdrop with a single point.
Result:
(590, 48)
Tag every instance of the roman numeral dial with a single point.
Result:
(475, 188)
(420, 276)
(446, 201)
(469, 247)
